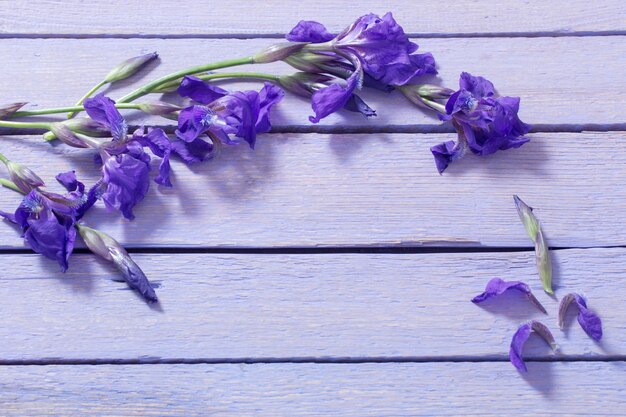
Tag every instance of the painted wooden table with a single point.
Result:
(329, 271)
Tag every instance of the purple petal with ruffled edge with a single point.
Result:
(521, 336)
(194, 121)
(309, 31)
(159, 145)
(193, 152)
(497, 286)
(199, 90)
(328, 100)
(127, 180)
(268, 97)
(588, 320)
(51, 237)
(102, 109)
(68, 180)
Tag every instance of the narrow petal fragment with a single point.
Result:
(521, 336)
(497, 286)
(588, 320)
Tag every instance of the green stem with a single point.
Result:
(10, 184)
(87, 95)
(68, 109)
(147, 88)
(25, 125)
(3, 159)
(210, 76)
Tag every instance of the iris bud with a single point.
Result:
(23, 177)
(76, 140)
(8, 109)
(303, 83)
(278, 52)
(160, 108)
(109, 249)
(129, 67)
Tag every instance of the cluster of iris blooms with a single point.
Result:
(588, 320)
(373, 52)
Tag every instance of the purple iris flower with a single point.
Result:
(125, 165)
(485, 122)
(521, 336)
(497, 286)
(47, 219)
(373, 46)
(242, 114)
(102, 109)
(588, 320)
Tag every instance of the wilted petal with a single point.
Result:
(445, 153)
(521, 336)
(51, 236)
(357, 105)
(328, 100)
(127, 180)
(309, 31)
(497, 286)
(193, 152)
(268, 97)
(587, 319)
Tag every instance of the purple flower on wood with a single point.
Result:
(521, 336)
(587, 319)
(497, 286)
(373, 46)
(485, 122)
(242, 114)
(47, 219)
(102, 109)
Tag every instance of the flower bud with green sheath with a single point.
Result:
(109, 249)
(533, 229)
(23, 177)
(8, 109)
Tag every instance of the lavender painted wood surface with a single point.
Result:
(222, 311)
(225, 306)
(359, 390)
(311, 190)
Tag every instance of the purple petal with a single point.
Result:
(69, 182)
(587, 319)
(357, 105)
(51, 237)
(309, 31)
(164, 171)
(127, 181)
(193, 152)
(199, 90)
(156, 140)
(268, 96)
(102, 109)
(497, 286)
(193, 122)
(332, 98)
(445, 153)
(478, 86)
(521, 336)
(9, 216)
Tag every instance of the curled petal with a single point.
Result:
(309, 31)
(357, 105)
(497, 286)
(193, 152)
(127, 180)
(268, 97)
(521, 336)
(328, 100)
(588, 320)
(445, 153)
(102, 109)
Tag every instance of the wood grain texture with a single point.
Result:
(230, 307)
(376, 390)
(256, 17)
(551, 75)
(310, 190)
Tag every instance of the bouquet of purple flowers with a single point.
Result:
(330, 70)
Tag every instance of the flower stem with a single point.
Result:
(172, 85)
(76, 108)
(10, 185)
(87, 95)
(147, 88)
(3, 159)
(25, 125)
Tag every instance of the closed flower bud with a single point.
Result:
(159, 108)
(542, 255)
(278, 52)
(430, 91)
(23, 177)
(8, 109)
(303, 83)
(129, 67)
(66, 135)
(109, 249)
(309, 61)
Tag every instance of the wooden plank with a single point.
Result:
(389, 389)
(309, 190)
(271, 17)
(228, 307)
(44, 73)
